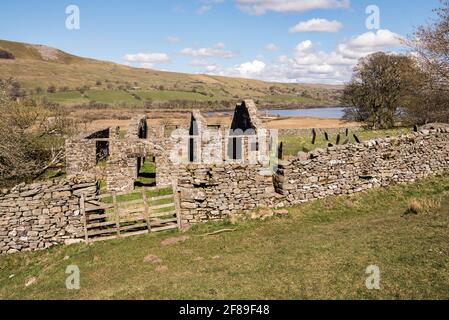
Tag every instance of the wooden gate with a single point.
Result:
(124, 214)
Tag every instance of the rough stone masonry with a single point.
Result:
(215, 192)
(40, 215)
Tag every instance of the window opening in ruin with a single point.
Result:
(213, 128)
(235, 148)
(281, 151)
(191, 149)
(193, 133)
(240, 126)
(146, 176)
(102, 151)
(242, 119)
(143, 131)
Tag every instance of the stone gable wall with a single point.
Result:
(81, 157)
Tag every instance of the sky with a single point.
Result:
(297, 41)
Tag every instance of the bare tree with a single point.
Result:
(430, 44)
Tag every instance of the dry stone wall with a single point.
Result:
(217, 191)
(308, 132)
(40, 215)
(213, 192)
(356, 167)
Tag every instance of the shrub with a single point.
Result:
(32, 136)
(51, 89)
(6, 55)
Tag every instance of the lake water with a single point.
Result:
(327, 113)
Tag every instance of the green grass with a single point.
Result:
(111, 96)
(146, 174)
(137, 195)
(292, 144)
(64, 98)
(65, 95)
(123, 200)
(321, 251)
(172, 95)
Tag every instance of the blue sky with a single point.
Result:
(247, 38)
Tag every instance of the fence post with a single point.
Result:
(83, 212)
(177, 198)
(147, 209)
(116, 213)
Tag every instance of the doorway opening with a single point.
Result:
(146, 174)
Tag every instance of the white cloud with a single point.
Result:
(369, 42)
(251, 68)
(271, 47)
(147, 60)
(381, 38)
(317, 25)
(212, 68)
(172, 39)
(304, 47)
(259, 7)
(217, 51)
(308, 64)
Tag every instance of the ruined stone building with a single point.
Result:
(193, 142)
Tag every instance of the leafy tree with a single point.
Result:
(379, 89)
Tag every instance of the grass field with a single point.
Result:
(173, 95)
(120, 97)
(292, 144)
(320, 251)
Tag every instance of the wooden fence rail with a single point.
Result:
(124, 214)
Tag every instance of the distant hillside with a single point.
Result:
(68, 79)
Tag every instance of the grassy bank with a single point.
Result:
(320, 251)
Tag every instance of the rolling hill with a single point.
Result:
(69, 80)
